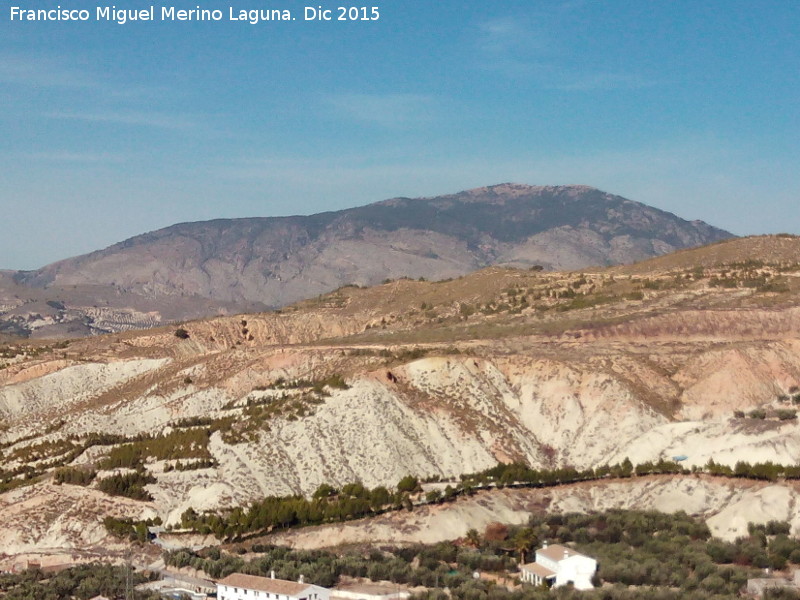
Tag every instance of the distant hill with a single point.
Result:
(767, 249)
(276, 261)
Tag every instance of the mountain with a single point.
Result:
(434, 379)
(276, 261)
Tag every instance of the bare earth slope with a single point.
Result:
(727, 506)
(554, 369)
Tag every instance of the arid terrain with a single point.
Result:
(727, 507)
(193, 270)
(694, 354)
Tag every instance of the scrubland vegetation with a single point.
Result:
(130, 485)
(640, 554)
(657, 555)
(182, 443)
(479, 306)
(186, 444)
(81, 582)
(354, 501)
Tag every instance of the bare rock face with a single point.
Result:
(276, 261)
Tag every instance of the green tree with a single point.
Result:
(473, 538)
(523, 540)
(433, 497)
(409, 483)
(325, 491)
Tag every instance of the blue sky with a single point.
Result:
(107, 131)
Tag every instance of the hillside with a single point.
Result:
(727, 506)
(68, 311)
(769, 249)
(434, 379)
(206, 268)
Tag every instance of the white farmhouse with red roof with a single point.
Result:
(558, 565)
(252, 587)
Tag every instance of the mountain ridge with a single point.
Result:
(274, 261)
(433, 213)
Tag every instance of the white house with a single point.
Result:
(251, 587)
(558, 565)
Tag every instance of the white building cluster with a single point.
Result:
(558, 565)
(251, 587)
(555, 566)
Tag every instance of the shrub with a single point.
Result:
(130, 485)
(181, 333)
(74, 476)
(778, 527)
(183, 443)
(433, 497)
(495, 532)
(126, 529)
(409, 483)
(325, 491)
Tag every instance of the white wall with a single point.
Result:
(313, 592)
(577, 569)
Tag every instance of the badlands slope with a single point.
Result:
(726, 505)
(553, 369)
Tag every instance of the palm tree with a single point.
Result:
(474, 538)
(523, 541)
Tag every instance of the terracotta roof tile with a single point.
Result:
(556, 552)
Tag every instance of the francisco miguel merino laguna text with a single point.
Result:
(170, 13)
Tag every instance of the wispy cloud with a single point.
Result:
(514, 46)
(536, 47)
(600, 80)
(55, 74)
(385, 110)
(43, 71)
(87, 158)
(503, 37)
(136, 119)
